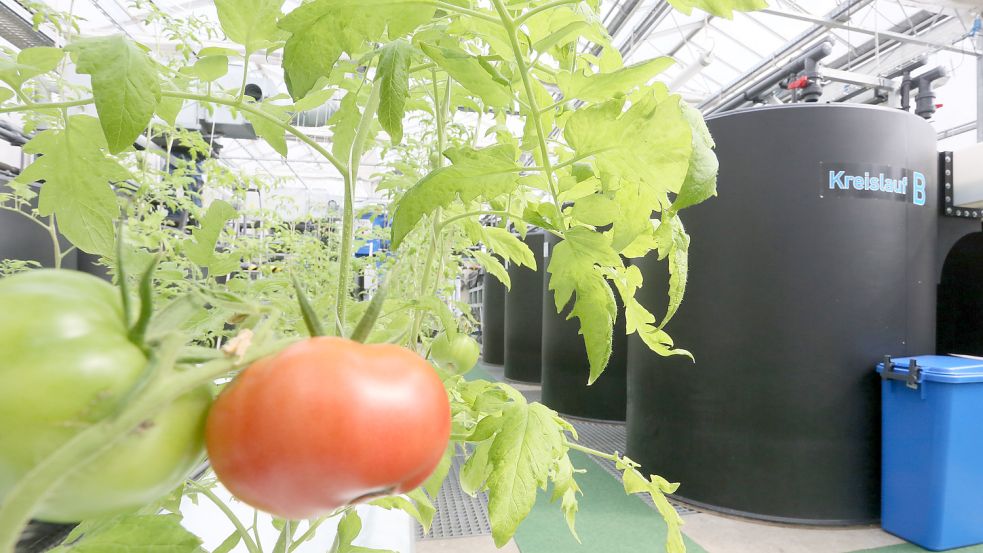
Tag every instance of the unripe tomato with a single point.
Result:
(328, 422)
(65, 361)
(458, 354)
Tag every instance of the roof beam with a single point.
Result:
(832, 24)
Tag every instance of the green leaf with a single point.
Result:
(348, 529)
(565, 489)
(678, 268)
(436, 479)
(229, 543)
(701, 178)
(273, 134)
(508, 245)
(601, 87)
(344, 125)
(394, 70)
(521, 457)
(6, 94)
(136, 534)
(477, 468)
(30, 63)
(77, 177)
(493, 267)
(572, 269)
(322, 30)
(251, 23)
(659, 150)
(415, 503)
(720, 8)
(474, 174)
(657, 488)
(467, 70)
(201, 248)
(124, 83)
(209, 68)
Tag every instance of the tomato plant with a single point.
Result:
(66, 362)
(328, 422)
(488, 117)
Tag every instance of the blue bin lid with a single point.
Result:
(941, 368)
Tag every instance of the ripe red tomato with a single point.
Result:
(328, 422)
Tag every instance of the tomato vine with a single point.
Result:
(606, 159)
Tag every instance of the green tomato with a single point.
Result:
(65, 362)
(457, 353)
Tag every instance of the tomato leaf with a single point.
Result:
(273, 134)
(77, 177)
(251, 23)
(30, 63)
(322, 30)
(348, 529)
(657, 488)
(721, 8)
(701, 177)
(201, 248)
(521, 456)
(125, 84)
(229, 543)
(659, 151)
(572, 269)
(601, 87)
(493, 267)
(508, 246)
(394, 70)
(136, 534)
(474, 174)
(467, 70)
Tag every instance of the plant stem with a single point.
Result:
(314, 524)
(447, 6)
(51, 105)
(243, 533)
(548, 6)
(348, 215)
(523, 67)
(53, 233)
(258, 112)
(609, 456)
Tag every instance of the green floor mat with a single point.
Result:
(912, 548)
(609, 521)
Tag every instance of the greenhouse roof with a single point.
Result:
(717, 60)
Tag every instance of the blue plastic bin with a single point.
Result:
(932, 447)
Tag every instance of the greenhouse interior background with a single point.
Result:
(822, 387)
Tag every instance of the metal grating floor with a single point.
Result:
(458, 514)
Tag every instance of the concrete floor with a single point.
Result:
(722, 534)
(479, 544)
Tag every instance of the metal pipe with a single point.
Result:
(817, 52)
(842, 11)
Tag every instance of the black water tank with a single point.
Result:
(796, 291)
(492, 320)
(524, 316)
(566, 367)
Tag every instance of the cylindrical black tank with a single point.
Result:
(796, 290)
(566, 367)
(524, 317)
(493, 320)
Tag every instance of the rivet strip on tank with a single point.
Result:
(948, 209)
